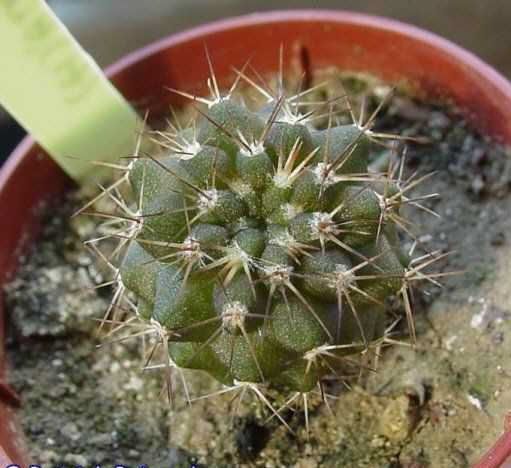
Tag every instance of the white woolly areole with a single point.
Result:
(381, 201)
(343, 277)
(281, 179)
(313, 353)
(218, 99)
(207, 200)
(191, 248)
(234, 314)
(324, 174)
(278, 274)
(254, 149)
(136, 225)
(289, 116)
(191, 150)
(130, 165)
(321, 224)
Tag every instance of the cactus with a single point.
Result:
(259, 247)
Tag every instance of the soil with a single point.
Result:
(440, 404)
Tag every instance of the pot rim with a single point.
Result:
(320, 15)
(502, 448)
(382, 23)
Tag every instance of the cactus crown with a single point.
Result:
(261, 248)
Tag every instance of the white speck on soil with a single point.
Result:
(449, 342)
(478, 319)
(475, 401)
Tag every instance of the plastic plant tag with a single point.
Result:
(58, 93)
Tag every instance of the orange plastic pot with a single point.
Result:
(314, 39)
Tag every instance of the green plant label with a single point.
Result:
(58, 93)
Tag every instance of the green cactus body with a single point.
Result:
(263, 250)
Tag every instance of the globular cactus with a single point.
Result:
(260, 247)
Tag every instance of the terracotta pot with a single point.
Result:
(388, 49)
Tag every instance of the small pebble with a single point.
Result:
(398, 419)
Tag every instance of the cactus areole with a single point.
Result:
(260, 247)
